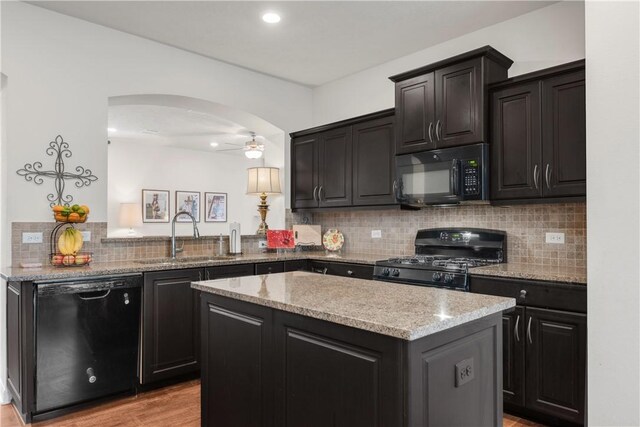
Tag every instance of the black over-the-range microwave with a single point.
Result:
(443, 177)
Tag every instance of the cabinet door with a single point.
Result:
(171, 327)
(335, 168)
(236, 374)
(304, 171)
(373, 162)
(14, 343)
(556, 362)
(513, 344)
(415, 112)
(516, 169)
(564, 135)
(459, 95)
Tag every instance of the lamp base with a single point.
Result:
(263, 207)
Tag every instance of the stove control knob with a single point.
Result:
(385, 272)
(395, 272)
(437, 276)
(448, 278)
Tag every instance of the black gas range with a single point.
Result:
(443, 257)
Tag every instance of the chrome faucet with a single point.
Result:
(196, 233)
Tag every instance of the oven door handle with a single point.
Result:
(454, 177)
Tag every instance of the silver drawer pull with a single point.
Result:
(529, 331)
(523, 294)
(515, 329)
(350, 273)
(92, 377)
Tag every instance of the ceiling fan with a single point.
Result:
(252, 149)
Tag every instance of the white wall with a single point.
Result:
(171, 168)
(613, 190)
(63, 70)
(540, 39)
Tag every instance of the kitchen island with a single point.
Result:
(300, 348)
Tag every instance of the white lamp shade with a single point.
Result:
(263, 180)
(130, 215)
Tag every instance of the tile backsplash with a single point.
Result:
(525, 225)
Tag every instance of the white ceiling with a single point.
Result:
(316, 41)
(176, 121)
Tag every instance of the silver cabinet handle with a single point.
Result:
(199, 275)
(207, 274)
(523, 294)
(320, 192)
(515, 329)
(350, 273)
(395, 187)
(431, 132)
(529, 330)
(439, 130)
(535, 176)
(547, 176)
(315, 189)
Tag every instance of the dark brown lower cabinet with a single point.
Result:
(170, 324)
(513, 363)
(359, 271)
(266, 367)
(270, 267)
(556, 362)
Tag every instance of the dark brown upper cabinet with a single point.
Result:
(444, 104)
(538, 141)
(344, 164)
(373, 162)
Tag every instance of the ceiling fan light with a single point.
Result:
(253, 153)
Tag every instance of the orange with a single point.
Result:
(58, 208)
(85, 208)
(74, 216)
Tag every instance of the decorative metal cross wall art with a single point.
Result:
(33, 172)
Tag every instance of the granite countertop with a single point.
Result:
(574, 275)
(49, 272)
(401, 311)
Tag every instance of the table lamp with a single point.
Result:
(130, 216)
(262, 182)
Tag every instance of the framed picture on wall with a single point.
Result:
(155, 206)
(188, 201)
(215, 207)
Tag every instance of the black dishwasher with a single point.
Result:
(86, 339)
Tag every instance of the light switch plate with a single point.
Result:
(262, 244)
(376, 234)
(556, 238)
(32, 237)
(86, 236)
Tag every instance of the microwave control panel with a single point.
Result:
(471, 177)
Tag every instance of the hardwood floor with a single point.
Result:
(177, 405)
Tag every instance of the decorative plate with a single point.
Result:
(333, 240)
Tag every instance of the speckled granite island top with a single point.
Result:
(400, 311)
(575, 275)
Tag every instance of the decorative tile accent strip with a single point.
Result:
(525, 225)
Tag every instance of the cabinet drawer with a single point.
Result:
(359, 271)
(296, 265)
(270, 267)
(556, 296)
(225, 271)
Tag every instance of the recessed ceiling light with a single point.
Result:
(271, 18)
(213, 144)
(112, 130)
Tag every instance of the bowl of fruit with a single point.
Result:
(69, 246)
(75, 213)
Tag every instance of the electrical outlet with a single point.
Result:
(86, 236)
(262, 244)
(32, 237)
(556, 238)
(464, 372)
(376, 234)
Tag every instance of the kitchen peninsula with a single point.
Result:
(299, 348)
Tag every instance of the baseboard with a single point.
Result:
(5, 397)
